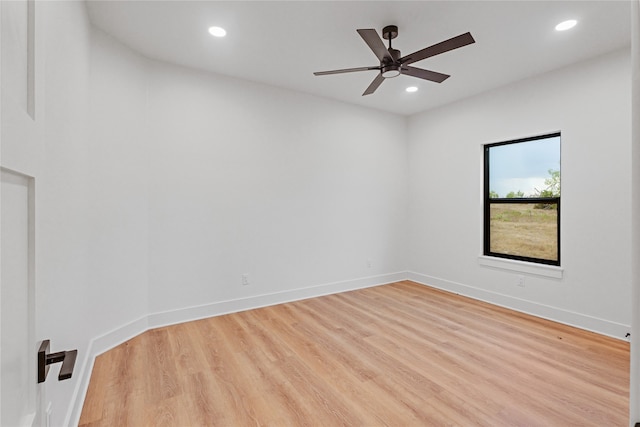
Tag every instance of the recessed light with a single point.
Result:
(411, 89)
(217, 31)
(566, 25)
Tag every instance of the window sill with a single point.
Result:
(543, 270)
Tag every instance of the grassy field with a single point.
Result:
(519, 229)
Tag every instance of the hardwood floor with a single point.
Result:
(396, 355)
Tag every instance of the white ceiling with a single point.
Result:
(283, 43)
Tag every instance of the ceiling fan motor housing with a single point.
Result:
(391, 69)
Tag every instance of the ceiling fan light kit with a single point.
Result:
(392, 64)
(390, 71)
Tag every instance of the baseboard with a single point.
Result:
(171, 317)
(80, 391)
(582, 321)
(119, 335)
(96, 347)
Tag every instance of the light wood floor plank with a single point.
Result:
(396, 355)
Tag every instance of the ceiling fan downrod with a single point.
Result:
(390, 69)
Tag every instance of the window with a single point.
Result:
(522, 199)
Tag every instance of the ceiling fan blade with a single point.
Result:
(345, 70)
(373, 40)
(424, 74)
(436, 49)
(374, 85)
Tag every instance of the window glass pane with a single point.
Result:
(525, 169)
(524, 229)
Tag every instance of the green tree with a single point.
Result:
(493, 195)
(552, 189)
(553, 182)
(513, 194)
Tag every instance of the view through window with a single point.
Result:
(522, 199)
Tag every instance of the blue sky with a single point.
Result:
(523, 166)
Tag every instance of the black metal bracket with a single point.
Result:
(68, 359)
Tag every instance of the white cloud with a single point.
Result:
(528, 186)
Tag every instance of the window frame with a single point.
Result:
(488, 201)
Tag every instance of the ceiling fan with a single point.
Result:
(392, 65)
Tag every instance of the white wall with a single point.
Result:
(92, 268)
(63, 277)
(294, 190)
(194, 179)
(590, 104)
(116, 178)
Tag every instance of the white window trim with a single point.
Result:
(550, 271)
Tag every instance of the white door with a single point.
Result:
(19, 394)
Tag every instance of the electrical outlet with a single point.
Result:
(245, 279)
(369, 263)
(520, 281)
